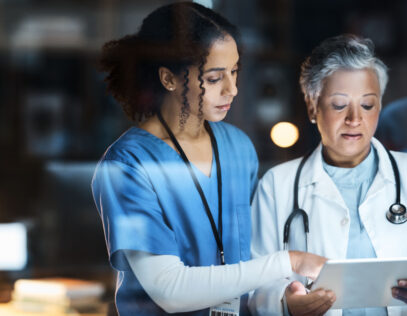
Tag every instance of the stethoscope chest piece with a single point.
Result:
(397, 213)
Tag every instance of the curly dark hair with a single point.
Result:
(174, 36)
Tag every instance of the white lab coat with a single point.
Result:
(328, 218)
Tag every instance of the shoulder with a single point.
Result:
(132, 146)
(400, 156)
(227, 130)
(229, 135)
(282, 172)
(401, 160)
(125, 161)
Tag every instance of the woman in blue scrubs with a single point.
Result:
(174, 193)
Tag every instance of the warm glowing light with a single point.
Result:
(284, 134)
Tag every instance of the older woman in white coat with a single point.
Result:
(347, 183)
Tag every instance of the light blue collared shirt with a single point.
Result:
(353, 184)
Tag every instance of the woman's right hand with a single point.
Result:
(400, 291)
(314, 303)
(306, 264)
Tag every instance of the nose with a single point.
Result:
(353, 117)
(230, 88)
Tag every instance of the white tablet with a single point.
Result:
(361, 283)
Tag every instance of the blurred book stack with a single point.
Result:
(61, 294)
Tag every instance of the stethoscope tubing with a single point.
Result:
(396, 213)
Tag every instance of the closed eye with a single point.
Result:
(213, 80)
(338, 107)
(367, 107)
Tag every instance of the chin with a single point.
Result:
(354, 147)
(216, 117)
(339, 153)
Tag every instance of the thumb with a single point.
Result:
(297, 288)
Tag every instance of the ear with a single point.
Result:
(167, 78)
(312, 103)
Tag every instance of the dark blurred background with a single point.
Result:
(56, 119)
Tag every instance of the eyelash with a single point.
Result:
(212, 81)
(215, 80)
(341, 107)
(367, 107)
(338, 107)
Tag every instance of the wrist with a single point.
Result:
(295, 259)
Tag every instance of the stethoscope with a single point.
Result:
(396, 213)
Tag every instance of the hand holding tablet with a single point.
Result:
(400, 291)
(302, 302)
(360, 283)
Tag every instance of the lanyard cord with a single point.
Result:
(216, 233)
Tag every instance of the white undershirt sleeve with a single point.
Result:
(179, 288)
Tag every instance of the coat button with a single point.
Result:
(344, 221)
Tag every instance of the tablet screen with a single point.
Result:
(360, 283)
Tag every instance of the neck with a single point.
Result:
(344, 162)
(193, 128)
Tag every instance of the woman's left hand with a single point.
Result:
(400, 291)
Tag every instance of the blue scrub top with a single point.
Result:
(147, 201)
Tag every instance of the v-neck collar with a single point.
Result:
(163, 145)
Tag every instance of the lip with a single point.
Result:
(352, 136)
(225, 107)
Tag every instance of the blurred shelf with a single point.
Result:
(8, 309)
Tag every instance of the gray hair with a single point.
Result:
(340, 52)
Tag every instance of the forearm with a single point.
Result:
(179, 288)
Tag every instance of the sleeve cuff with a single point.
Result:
(285, 263)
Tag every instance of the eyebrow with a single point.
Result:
(215, 69)
(337, 93)
(345, 95)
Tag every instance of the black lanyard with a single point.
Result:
(216, 233)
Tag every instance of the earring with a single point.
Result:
(313, 121)
(171, 88)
